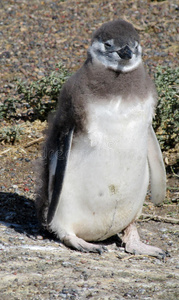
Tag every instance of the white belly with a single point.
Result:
(107, 174)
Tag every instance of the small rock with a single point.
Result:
(2, 247)
(27, 159)
(141, 291)
(61, 295)
(66, 264)
(15, 186)
(163, 229)
(174, 200)
(164, 236)
(39, 237)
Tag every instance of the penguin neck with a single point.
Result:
(103, 81)
(97, 69)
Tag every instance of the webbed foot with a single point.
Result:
(79, 244)
(134, 245)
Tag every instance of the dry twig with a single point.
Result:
(5, 151)
(34, 142)
(137, 256)
(146, 217)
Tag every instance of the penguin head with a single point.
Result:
(116, 45)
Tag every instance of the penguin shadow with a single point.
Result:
(113, 240)
(19, 212)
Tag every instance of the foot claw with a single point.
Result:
(167, 254)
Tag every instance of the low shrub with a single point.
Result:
(36, 99)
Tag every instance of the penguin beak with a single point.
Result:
(125, 53)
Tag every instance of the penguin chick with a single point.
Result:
(116, 46)
(101, 148)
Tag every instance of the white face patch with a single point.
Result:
(133, 63)
(110, 59)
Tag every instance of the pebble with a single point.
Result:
(163, 229)
(2, 247)
(39, 237)
(175, 200)
(64, 296)
(164, 236)
(15, 186)
(33, 24)
(141, 291)
(66, 264)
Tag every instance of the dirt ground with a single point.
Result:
(33, 264)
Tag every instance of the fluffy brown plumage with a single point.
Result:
(107, 104)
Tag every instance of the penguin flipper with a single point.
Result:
(57, 169)
(157, 168)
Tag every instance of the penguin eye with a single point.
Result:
(107, 45)
(136, 45)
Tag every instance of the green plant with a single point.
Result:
(8, 107)
(166, 122)
(36, 99)
(11, 134)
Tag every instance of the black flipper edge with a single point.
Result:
(62, 159)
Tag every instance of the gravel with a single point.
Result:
(34, 37)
